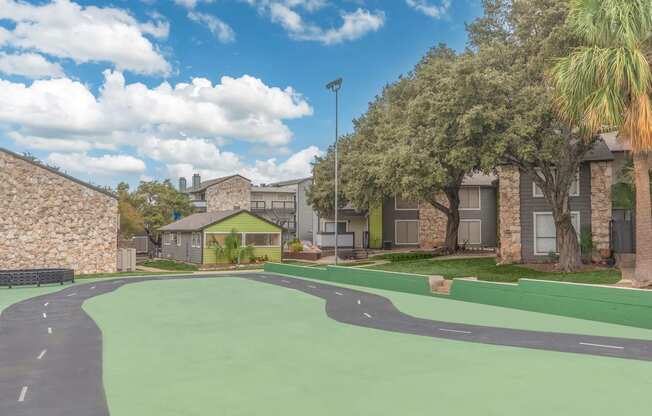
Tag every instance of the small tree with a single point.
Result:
(233, 250)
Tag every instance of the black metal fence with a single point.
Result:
(36, 277)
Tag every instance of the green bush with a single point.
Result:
(169, 265)
(394, 257)
(296, 246)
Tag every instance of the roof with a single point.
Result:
(614, 142)
(599, 152)
(479, 179)
(205, 184)
(273, 189)
(57, 172)
(291, 182)
(199, 221)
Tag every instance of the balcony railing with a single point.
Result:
(327, 240)
(198, 203)
(283, 205)
(258, 205)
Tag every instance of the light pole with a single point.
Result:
(335, 87)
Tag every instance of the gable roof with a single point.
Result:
(291, 182)
(205, 184)
(615, 143)
(199, 221)
(57, 172)
(599, 152)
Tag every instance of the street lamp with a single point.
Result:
(335, 87)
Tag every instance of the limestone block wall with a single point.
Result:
(48, 220)
(601, 181)
(510, 214)
(229, 194)
(432, 224)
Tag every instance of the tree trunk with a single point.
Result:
(643, 271)
(569, 249)
(452, 220)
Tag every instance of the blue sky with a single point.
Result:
(138, 90)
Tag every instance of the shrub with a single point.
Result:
(296, 246)
(394, 257)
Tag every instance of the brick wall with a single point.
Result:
(432, 224)
(226, 195)
(48, 221)
(510, 214)
(601, 181)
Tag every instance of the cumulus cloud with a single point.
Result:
(237, 108)
(65, 29)
(29, 65)
(187, 156)
(222, 31)
(354, 25)
(106, 165)
(191, 4)
(433, 10)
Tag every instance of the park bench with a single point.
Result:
(35, 277)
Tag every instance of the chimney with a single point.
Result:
(196, 180)
(182, 184)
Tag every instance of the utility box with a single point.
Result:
(127, 260)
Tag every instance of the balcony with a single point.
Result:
(258, 206)
(199, 205)
(327, 240)
(275, 206)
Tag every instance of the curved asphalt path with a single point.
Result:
(51, 350)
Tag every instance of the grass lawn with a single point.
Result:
(232, 347)
(170, 265)
(486, 269)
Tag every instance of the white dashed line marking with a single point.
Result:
(45, 315)
(92, 287)
(312, 286)
(23, 393)
(49, 330)
(615, 347)
(359, 302)
(40, 356)
(285, 281)
(457, 331)
(72, 294)
(367, 315)
(338, 293)
(46, 304)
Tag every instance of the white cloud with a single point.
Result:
(30, 65)
(65, 29)
(354, 24)
(188, 156)
(190, 4)
(236, 108)
(220, 29)
(105, 165)
(432, 10)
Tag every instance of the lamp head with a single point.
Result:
(334, 85)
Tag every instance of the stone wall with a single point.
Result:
(432, 224)
(509, 218)
(48, 220)
(601, 181)
(233, 193)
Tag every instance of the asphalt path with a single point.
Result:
(51, 350)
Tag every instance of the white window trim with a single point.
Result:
(479, 199)
(474, 220)
(404, 209)
(178, 239)
(535, 187)
(346, 222)
(192, 236)
(167, 239)
(280, 239)
(396, 234)
(534, 226)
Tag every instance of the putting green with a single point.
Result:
(229, 346)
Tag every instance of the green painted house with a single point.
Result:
(193, 239)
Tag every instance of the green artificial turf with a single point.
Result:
(170, 265)
(230, 346)
(486, 269)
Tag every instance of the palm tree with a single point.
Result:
(607, 84)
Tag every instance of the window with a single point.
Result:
(470, 198)
(167, 239)
(263, 239)
(196, 240)
(257, 205)
(545, 234)
(177, 240)
(574, 189)
(470, 232)
(401, 204)
(329, 227)
(407, 232)
(219, 238)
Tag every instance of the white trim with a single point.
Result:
(534, 228)
(280, 239)
(404, 209)
(577, 179)
(166, 238)
(178, 239)
(473, 220)
(396, 234)
(479, 199)
(192, 236)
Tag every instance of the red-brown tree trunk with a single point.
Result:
(570, 258)
(643, 271)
